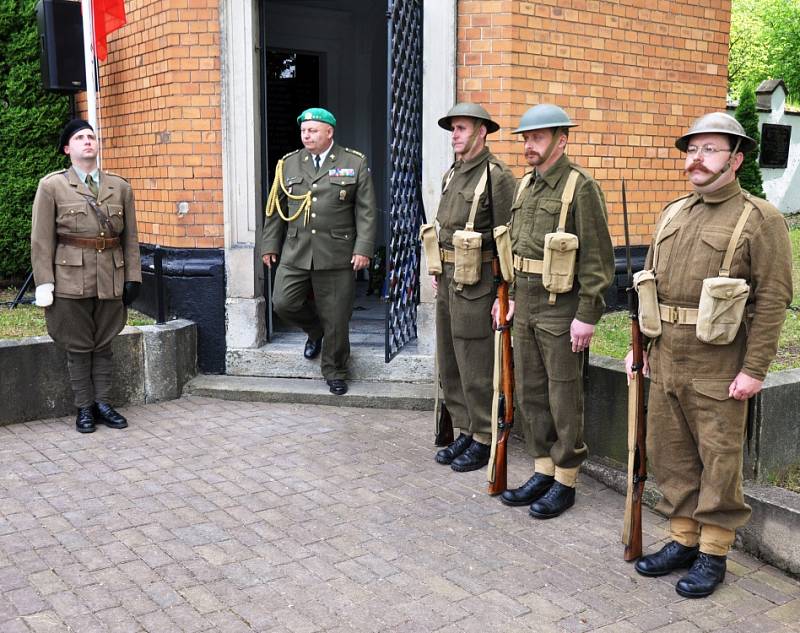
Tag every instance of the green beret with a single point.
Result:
(317, 114)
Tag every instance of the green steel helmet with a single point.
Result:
(317, 114)
(472, 110)
(717, 123)
(542, 116)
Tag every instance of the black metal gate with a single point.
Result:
(403, 206)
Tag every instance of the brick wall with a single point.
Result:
(159, 113)
(632, 73)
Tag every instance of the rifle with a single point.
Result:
(503, 375)
(444, 423)
(637, 420)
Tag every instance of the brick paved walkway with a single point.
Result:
(209, 515)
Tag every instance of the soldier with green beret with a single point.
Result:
(464, 340)
(85, 258)
(718, 237)
(321, 219)
(558, 208)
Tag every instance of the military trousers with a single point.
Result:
(326, 314)
(695, 431)
(548, 390)
(465, 348)
(86, 329)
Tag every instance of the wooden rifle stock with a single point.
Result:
(505, 418)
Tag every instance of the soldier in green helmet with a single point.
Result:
(717, 247)
(464, 339)
(563, 264)
(321, 218)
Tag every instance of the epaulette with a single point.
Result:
(285, 156)
(111, 173)
(582, 172)
(682, 197)
(58, 172)
(354, 151)
(765, 206)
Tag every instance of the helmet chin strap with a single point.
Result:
(725, 167)
(473, 138)
(552, 145)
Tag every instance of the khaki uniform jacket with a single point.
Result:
(61, 207)
(536, 212)
(692, 247)
(342, 221)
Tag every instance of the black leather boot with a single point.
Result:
(476, 456)
(706, 573)
(449, 453)
(528, 492)
(84, 421)
(312, 348)
(670, 557)
(554, 502)
(106, 414)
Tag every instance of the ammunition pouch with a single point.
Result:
(430, 246)
(719, 315)
(644, 282)
(467, 251)
(558, 268)
(502, 240)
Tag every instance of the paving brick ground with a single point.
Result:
(209, 515)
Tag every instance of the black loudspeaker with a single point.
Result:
(61, 39)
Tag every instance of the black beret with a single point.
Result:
(70, 129)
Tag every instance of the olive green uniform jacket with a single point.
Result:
(548, 374)
(695, 430)
(464, 340)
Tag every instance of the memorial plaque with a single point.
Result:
(775, 145)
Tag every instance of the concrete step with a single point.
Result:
(375, 395)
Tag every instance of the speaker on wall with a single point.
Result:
(61, 45)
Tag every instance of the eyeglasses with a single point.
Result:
(705, 150)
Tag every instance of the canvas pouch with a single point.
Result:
(502, 240)
(719, 315)
(467, 251)
(644, 282)
(430, 245)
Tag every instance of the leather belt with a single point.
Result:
(678, 315)
(526, 265)
(97, 243)
(449, 257)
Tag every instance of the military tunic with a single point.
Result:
(87, 310)
(464, 341)
(695, 430)
(548, 374)
(342, 222)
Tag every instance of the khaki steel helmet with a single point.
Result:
(542, 116)
(472, 110)
(718, 123)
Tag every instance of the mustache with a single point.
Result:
(696, 167)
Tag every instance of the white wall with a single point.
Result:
(782, 186)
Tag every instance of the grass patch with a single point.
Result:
(788, 478)
(28, 320)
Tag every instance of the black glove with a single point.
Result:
(130, 292)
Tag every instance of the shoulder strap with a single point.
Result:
(669, 215)
(523, 184)
(737, 231)
(566, 198)
(479, 189)
(447, 179)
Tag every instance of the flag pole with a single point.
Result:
(89, 64)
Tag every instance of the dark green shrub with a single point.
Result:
(750, 173)
(30, 120)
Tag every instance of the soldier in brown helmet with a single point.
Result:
(721, 259)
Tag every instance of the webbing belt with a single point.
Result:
(677, 315)
(526, 265)
(449, 257)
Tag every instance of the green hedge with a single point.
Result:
(30, 121)
(750, 173)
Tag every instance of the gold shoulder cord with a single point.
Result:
(273, 203)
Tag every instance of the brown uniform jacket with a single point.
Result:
(61, 207)
(342, 221)
(692, 246)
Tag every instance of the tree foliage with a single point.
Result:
(30, 120)
(749, 173)
(765, 44)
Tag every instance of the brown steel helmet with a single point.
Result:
(472, 110)
(718, 123)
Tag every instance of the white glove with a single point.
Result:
(44, 295)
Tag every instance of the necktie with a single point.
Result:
(91, 184)
(316, 162)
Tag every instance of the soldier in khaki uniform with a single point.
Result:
(85, 256)
(321, 219)
(552, 331)
(464, 341)
(698, 391)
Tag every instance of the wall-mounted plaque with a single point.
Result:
(775, 145)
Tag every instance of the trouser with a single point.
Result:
(465, 349)
(548, 394)
(86, 329)
(695, 431)
(328, 314)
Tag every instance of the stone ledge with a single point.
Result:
(151, 363)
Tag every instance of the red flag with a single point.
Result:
(109, 15)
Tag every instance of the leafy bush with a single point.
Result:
(30, 121)
(750, 173)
